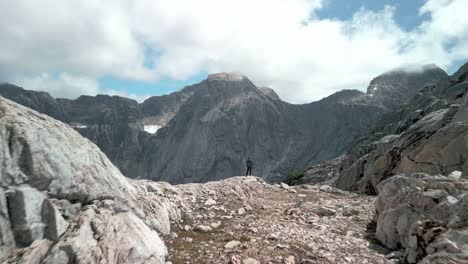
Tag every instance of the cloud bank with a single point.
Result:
(64, 47)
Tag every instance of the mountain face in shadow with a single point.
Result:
(210, 128)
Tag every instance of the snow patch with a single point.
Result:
(80, 126)
(151, 128)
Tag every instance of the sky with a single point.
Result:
(304, 49)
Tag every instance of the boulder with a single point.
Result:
(426, 215)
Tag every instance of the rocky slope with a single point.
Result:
(429, 134)
(210, 128)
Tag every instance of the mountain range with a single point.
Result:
(206, 131)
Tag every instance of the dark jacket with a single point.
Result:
(249, 163)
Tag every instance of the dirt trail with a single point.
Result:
(244, 220)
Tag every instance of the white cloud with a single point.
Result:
(69, 86)
(281, 44)
(62, 86)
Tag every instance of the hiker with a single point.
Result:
(249, 164)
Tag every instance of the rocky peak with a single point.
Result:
(398, 86)
(226, 76)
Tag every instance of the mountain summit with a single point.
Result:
(226, 76)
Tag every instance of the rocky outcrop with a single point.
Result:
(424, 216)
(429, 135)
(63, 201)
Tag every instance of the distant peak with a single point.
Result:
(414, 69)
(227, 76)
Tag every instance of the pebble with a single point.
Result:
(215, 224)
(241, 211)
(290, 260)
(250, 261)
(202, 228)
(210, 201)
(232, 244)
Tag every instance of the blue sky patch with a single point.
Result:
(406, 12)
(160, 87)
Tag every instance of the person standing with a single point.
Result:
(249, 164)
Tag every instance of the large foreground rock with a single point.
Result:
(63, 201)
(425, 215)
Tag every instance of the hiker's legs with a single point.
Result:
(247, 173)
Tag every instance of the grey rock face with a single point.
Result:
(429, 135)
(426, 216)
(227, 120)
